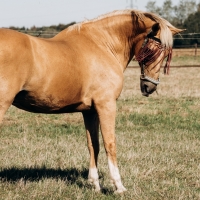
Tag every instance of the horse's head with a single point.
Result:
(150, 57)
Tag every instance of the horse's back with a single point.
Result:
(60, 74)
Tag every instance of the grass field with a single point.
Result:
(181, 60)
(158, 144)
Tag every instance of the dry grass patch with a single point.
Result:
(182, 82)
(178, 60)
(158, 144)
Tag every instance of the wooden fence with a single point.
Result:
(191, 50)
(186, 52)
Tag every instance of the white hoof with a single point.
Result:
(120, 190)
(95, 184)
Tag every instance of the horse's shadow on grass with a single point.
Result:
(71, 176)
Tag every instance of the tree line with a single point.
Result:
(185, 15)
(53, 28)
(176, 14)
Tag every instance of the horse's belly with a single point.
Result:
(25, 101)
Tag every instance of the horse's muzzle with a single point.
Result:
(147, 87)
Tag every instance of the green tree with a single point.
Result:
(192, 26)
(151, 7)
(192, 23)
(168, 10)
(183, 10)
(175, 14)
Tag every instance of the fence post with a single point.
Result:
(195, 51)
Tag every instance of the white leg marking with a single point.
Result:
(93, 178)
(115, 176)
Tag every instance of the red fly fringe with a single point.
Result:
(151, 51)
(167, 65)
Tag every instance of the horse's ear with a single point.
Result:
(155, 28)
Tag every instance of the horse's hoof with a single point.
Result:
(120, 190)
(95, 184)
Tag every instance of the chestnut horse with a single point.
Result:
(81, 70)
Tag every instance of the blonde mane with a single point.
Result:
(165, 33)
(166, 36)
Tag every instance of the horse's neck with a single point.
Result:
(119, 35)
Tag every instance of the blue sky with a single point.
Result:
(28, 13)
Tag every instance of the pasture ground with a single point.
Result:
(158, 145)
(179, 60)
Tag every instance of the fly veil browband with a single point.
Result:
(151, 49)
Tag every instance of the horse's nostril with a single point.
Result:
(146, 88)
(149, 88)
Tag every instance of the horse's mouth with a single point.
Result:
(147, 88)
(145, 94)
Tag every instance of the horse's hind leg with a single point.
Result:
(91, 121)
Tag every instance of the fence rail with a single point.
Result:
(186, 41)
(51, 32)
(43, 34)
(179, 50)
(186, 52)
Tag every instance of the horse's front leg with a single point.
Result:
(91, 121)
(107, 113)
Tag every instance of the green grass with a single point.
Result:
(158, 147)
(185, 60)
